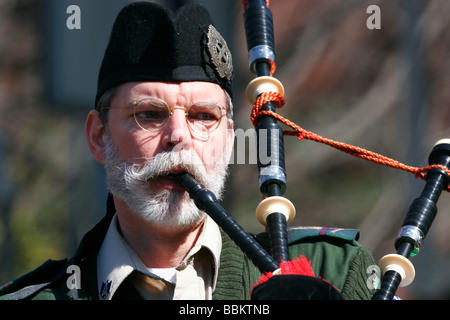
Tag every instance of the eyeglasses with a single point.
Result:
(152, 115)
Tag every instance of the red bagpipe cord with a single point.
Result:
(304, 134)
(347, 148)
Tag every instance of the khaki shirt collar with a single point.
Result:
(116, 260)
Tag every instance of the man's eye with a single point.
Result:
(151, 111)
(204, 116)
(205, 113)
(149, 115)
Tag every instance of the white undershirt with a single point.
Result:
(169, 274)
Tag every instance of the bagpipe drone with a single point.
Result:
(294, 281)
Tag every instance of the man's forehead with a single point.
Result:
(172, 92)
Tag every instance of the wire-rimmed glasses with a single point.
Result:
(152, 115)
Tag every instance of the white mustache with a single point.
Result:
(168, 163)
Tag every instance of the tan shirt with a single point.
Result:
(194, 279)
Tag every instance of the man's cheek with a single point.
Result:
(213, 151)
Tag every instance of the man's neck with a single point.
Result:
(156, 247)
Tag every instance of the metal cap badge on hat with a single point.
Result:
(150, 43)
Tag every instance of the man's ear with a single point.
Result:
(95, 132)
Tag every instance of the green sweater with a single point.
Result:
(335, 256)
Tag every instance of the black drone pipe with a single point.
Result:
(415, 226)
(260, 43)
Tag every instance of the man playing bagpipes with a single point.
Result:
(164, 109)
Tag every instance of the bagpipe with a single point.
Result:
(284, 278)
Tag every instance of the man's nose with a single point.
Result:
(176, 133)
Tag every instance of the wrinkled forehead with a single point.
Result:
(173, 93)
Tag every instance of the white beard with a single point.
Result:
(168, 209)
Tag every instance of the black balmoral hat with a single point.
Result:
(150, 43)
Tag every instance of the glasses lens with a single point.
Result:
(204, 118)
(151, 114)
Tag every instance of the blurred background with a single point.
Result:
(386, 90)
